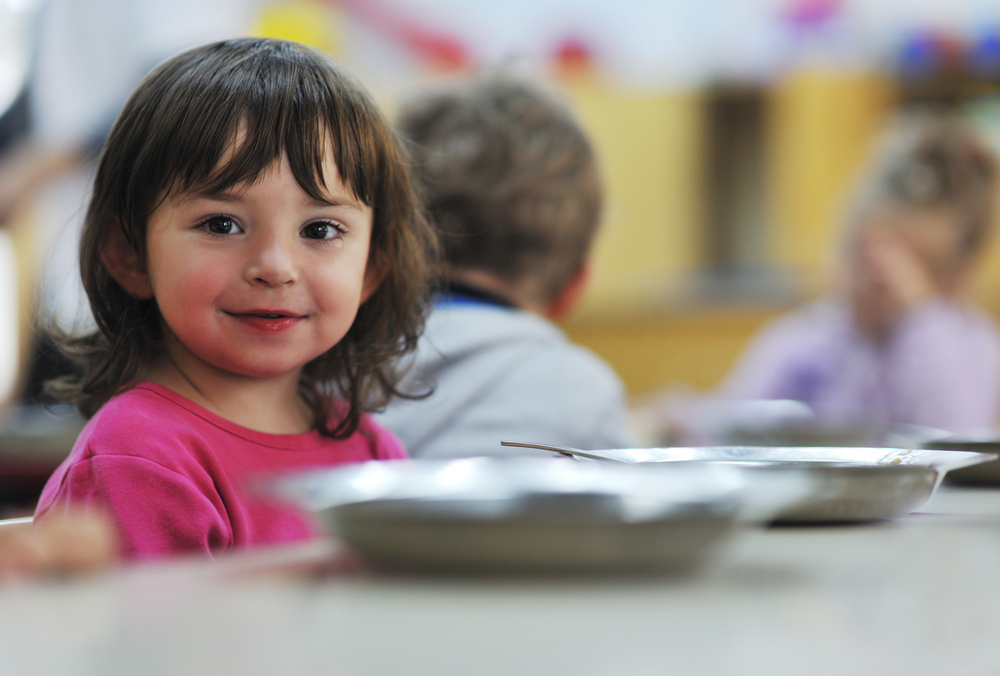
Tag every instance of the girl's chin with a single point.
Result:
(259, 371)
(878, 324)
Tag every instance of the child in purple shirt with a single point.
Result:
(256, 261)
(899, 344)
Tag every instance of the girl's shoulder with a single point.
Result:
(384, 445)
(140, 406)
(138, 413)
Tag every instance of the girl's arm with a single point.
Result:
(782, 360)
(155, 511)
(943, 367)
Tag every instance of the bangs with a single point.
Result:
(255, 106)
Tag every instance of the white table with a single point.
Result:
(919, 595)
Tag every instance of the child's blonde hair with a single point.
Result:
(277, 98)
(929, 160)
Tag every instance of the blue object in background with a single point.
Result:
(984, 54)
(920, 56)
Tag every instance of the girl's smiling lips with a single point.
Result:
(268, 320)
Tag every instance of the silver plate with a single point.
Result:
(985, 441)
(534, 515)
(847, 484)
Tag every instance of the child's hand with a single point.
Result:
(888, 279)
(59, 544)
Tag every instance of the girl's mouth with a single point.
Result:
(269, 322)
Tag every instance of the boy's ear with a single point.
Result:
(124, 265)
(566, 301)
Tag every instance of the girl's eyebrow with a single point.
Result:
(341, 199)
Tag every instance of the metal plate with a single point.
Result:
(986, 473)
(847, 484)
(525, 515)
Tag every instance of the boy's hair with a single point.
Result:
(275, 97)
(510, 181)
(929, 160)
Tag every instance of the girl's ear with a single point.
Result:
(375, 272)
(124, 265)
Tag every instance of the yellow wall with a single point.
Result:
(694, 349)
(649, 145)
(820, 128)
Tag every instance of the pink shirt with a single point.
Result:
(177, 478)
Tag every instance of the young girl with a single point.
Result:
(255, 261)
(900, 344)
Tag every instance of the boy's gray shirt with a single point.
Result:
(504, 374)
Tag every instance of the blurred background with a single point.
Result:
(729, 132)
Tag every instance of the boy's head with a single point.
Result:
(932, 184)
(222, 115)
(510, 181)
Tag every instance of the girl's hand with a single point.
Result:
(888, 279)
(63, 544)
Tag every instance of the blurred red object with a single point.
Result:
(441, 51)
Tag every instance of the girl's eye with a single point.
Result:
(322, 230)
(221, 225)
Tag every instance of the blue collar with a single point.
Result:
(451, 292)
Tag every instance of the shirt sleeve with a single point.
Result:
(157, 511)
(943, 368)
(764, 370)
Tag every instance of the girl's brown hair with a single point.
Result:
(277, 97)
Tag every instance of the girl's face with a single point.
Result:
(900, 258)
(261, 279)
(931, 236)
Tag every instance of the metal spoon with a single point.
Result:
(613, 455)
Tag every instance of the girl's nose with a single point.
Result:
(271, 262)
